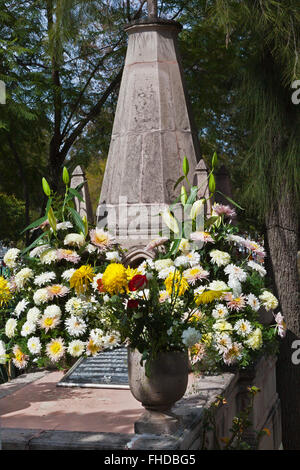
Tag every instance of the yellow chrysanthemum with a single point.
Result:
(114, 279)
(131, 272)
(208, 296)
(176, 283)
(5, 294)
(82, 278)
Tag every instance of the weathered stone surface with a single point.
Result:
(83, 207)
(153, 131)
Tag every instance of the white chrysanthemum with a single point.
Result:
(33, 314)
(236, 272)
(10, 327)
(20, 307)
(97, 336)
(236, 239)
(163, 264)
(22, 277)
(191, 336)
(64, 225)
(113, 256)
(243, 327)
(44, 278)
(222, 342)
(34, 345)
(91, 248)
(268, 300)
(3, 357)
(38, 250)
(233, 354)
(52, 311)
(48, 256)
(257, 267)
(235, 285)
(55, 350)
(184, 246)
(255, 340)
(164, 273)
(10, 257)
(75, 326)
(222, 325)
(194, 274)
(253, 302)
(220, 258)
(40, 296)
(76, 348)
(95, 279)
(66, 275)
(218, 285)
(220, 312)
(147, 264)
(28, 328)
(112, 340)
(74, 239)
(74, 305)
(181, 260)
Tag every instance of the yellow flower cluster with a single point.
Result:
(82, 278)
(176, 283)
(114, 279)
(5, 294)
(208, 296)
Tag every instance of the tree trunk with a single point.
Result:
(282, 221)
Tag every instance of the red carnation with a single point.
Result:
(137, 282)
(100, 285)
(132, 303)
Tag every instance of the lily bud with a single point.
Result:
(197, 208)
(183, 195)
(66, 177)
(46, 187)
(170, 221)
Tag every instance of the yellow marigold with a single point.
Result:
(176, 283)
(82, 278)
(5, 294)
(207, 296)
(114, 279)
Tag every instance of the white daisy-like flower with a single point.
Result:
(193, 258)
(243, 327)
(3, 357)
(184, 246)
(20, 307)
(255, 340)
(76, 348)
(218, 285)
(257, 267)
(164, 273)
(235, 272)
(10, 327)
(220, 312)
(74, 305)
(50, 318)
(38, 250)
(10, 257)
(55, 349)
(223, 326)
(163, 264)
(253, 302)
(113, 256)
(34, 345)
(91, 248)
(233, 354)
(20, 359)
(191, 336)
(33, 314)
(74, 239)
(220, 258)
(22, 277)
(40, 296)
(163, 296)
(95, 279)
(222, 342)
(197, 273)
(48, 256)
(181, 260)
(44, 278)
(28, 328)
(97, 336)
(268, 300)
(75, 326)
(64, 225)
(53, 310)
(111, 340)
(66, 275)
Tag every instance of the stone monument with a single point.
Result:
(153, 130)
(83, 207)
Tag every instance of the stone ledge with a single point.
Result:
(8, 388)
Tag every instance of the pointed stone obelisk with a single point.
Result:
(152, 132)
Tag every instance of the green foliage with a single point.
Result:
(12, 217)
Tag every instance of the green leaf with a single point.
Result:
(185, 166)
(33, 244)
(231, 200)
(76, 194)
(214, 160)
(174, 248)
(77, 219)
(178, 181)
(211, 221)
(192, 197)
(34, 224)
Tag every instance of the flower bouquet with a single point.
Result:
(48, 293)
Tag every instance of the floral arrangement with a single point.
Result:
(203, 290)
(48, 293)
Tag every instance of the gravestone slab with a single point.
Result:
(107, 369)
